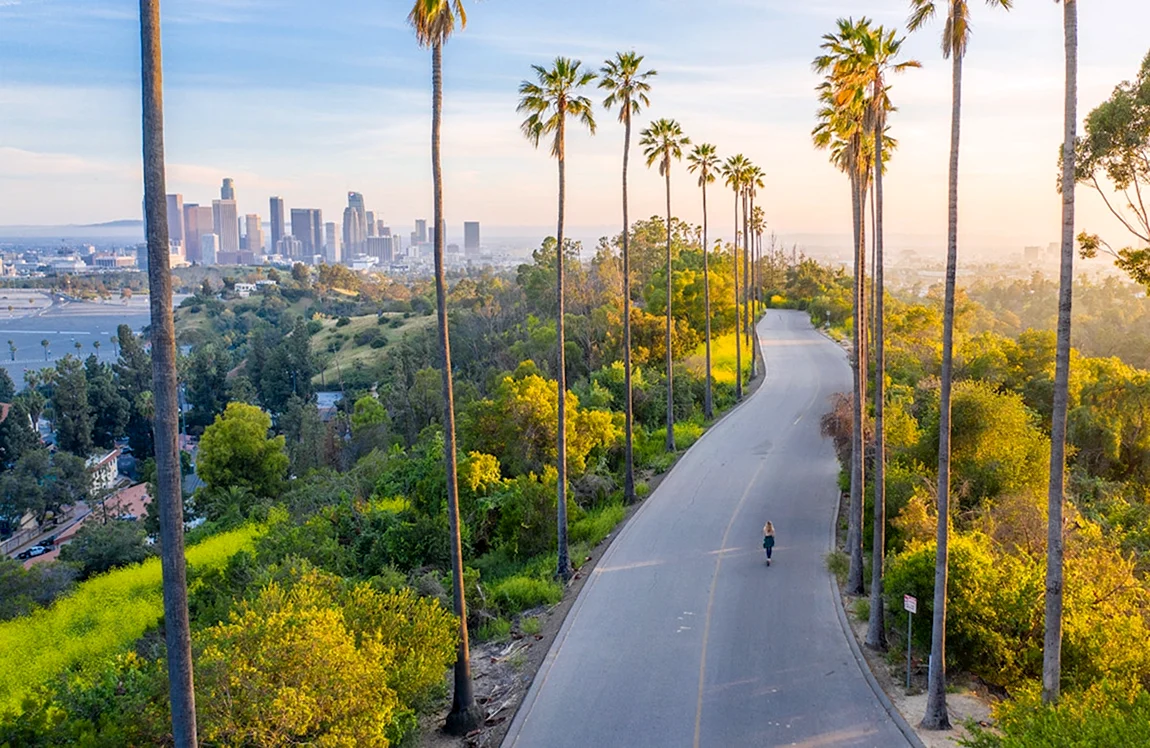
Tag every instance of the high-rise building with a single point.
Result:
(421, 230)
(209, 248)
(331, 242)
(277, 220)
(228, 189)
(176, 236)
(380, 248)
(354, 227)
(307, 226)
(471, 236)
(371, 223)
(226, 225)
(255, 233)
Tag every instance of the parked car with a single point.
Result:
(33, 552)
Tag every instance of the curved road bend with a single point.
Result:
(683, 636)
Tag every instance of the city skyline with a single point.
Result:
(745, 86)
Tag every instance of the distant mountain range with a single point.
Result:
(125, 230)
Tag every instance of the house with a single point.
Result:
(244, 290)
(264, 283)
(105, 471)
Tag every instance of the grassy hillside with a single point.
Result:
(103, 617)
(361, 340)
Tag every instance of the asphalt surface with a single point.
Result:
(684, 636)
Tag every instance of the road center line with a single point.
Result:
(711, 601)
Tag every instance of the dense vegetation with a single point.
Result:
(351, 557)
(1000, 455)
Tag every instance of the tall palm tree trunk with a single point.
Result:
(629, 415)
(937, 717)
(708, 397)
(738, 316)
(858, 448)
(876, 625)
(1052, 646)
(464, 716)
(670, 358)
(747, 280)
(564, 570)
(169, 499)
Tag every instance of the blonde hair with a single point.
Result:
(768, 529)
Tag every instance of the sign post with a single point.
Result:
(910, 605)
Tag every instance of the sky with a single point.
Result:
(309, 99)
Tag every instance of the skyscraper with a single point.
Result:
(176, 234)
(307, 226)
(380, 248)
(421, 230)
(226, 225)
(255, 231)
(331, 242)
(371, 223)
(471, 236)
(209, 248)
(354, 227)
(197, 222)
(277, 221)
(228, 189)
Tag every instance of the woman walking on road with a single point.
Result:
(768, 540)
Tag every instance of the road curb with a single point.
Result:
(895, 715)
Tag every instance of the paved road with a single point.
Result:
(683, 636)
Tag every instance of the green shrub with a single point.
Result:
(516, 594)
(838, 563)
(1102, 716)
(642, 489)
(495, 630)
(862, 609)
(687, 433)
(343, 322)
(597, 524)
(531, 625)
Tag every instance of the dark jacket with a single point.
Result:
(768, 541)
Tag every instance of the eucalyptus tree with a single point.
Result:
(841, 130)
(704, 161)
(169, 497)
(1052, 639)
(864, 76)
(955, 39)
(548, 102)
(735, 170)
(662, 143)
(434, 22)
(627, 86)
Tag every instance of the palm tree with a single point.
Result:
(96, 345)
(434, 22)
(662, 142)
(955, 37)
(754, 183)
(169, 498)
(864, 75)
(548, 102)
(626, 88)
(45, 343)
(758, 226)
(734, 171)
(1052, 645)
(704, 161)
(78, 346)
(841, 130)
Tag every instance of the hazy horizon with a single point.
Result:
(309, 102)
